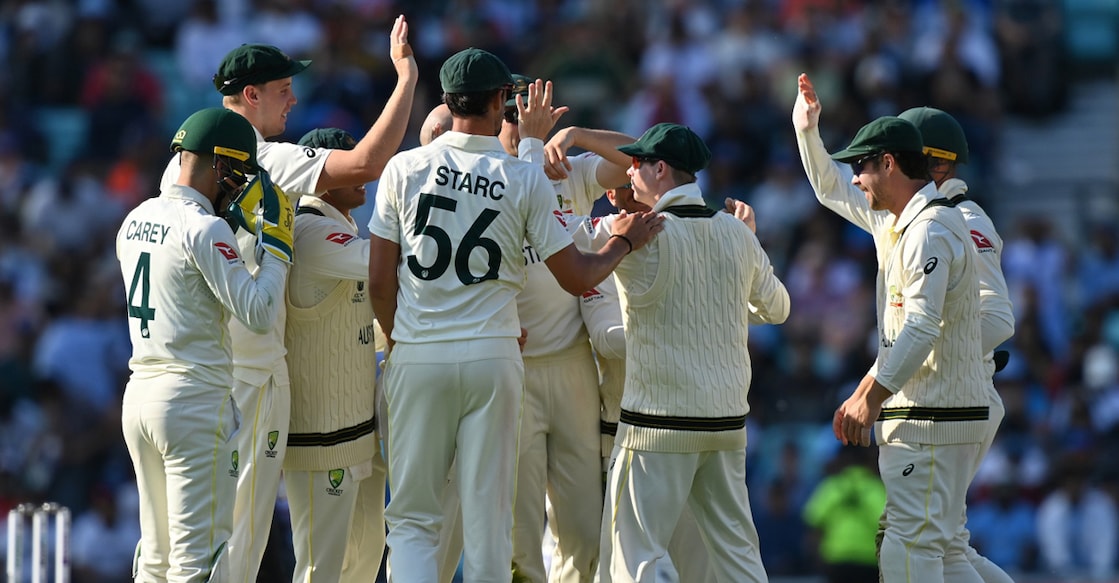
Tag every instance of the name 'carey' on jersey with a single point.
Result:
(145, 231)
(477, 185)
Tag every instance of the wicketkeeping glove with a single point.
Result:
(264, 210)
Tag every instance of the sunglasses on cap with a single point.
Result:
(858, 165)
(639, 160)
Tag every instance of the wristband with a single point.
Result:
(626, 239)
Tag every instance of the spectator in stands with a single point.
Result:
(1003, 527)
(1077, 524)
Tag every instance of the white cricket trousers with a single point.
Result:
(559, 456)
(646, 495)
(338, 522)
(262, 442)
(448, 399)
(960, 546)
(926, 488)
(180, 440)
(988, 570)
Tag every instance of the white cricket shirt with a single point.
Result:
(461, 210)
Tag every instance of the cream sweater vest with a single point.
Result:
(688, 370)
(946, 400)
(332, 360)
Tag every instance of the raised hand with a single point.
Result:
(400, 51)
(806, 110)
(536, 116)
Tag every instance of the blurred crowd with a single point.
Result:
(91, 91)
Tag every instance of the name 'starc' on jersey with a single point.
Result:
(476, 185)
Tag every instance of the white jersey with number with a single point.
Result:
(461, 210)
(183, 278)
(295, 169)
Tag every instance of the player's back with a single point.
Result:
(176, 323)
(461, 210)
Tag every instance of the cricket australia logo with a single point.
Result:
(234, 464)
(335, 477)
(273, 437)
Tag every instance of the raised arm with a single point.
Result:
(830, 181)
(366, 161)
(611, 172)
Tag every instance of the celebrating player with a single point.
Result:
(256, 81)
(184, 278)
(451, 221)
(334, 474)
(945, 146)
(928, 392)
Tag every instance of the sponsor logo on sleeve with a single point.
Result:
(559, 217)
(226, 251)
(982, 243)
(340, 238)
(591, 294)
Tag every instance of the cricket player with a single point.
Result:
(602, 314)
(184, 277)
(688, 298)
(447, 249)
(945, 145)
(928, 392)
(256, 81)
(334, 474)
(558, 452)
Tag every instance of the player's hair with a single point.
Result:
(913, 164)
(471, 104)
(680, 176)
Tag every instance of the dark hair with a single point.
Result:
(913, 164)
(680, 176)
(471, 104)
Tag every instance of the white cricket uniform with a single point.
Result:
(558, 453)
(460, 209)
(832, 184)
(558, 449)
(579, 190)
(688, 297)
(260, 373)
(183, 277)
(334, 474)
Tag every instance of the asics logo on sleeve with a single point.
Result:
(560, 218)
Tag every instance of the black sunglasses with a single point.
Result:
(858, 165)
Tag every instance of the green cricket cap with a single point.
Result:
(885, 134)
(332, 138)
(941, 133)
(677, 145)
(217, 130)
(473, 70)
(520, 86)
(253, 64)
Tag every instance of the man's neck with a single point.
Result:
(474, 125)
